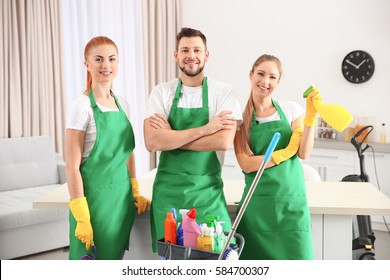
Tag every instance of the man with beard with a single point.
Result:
(192, 121)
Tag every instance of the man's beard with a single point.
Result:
(196, 73)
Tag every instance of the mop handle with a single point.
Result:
(251, 190)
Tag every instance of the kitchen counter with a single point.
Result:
(332, 206)
(338, 198)
(341, 145)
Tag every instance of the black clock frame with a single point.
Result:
(358, 70)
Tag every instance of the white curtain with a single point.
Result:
(31, 92)
(120, 20)
(161, 23)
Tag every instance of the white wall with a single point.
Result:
(310, 37)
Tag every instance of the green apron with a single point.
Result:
(107, 186)
(187, 179)
(276, 222)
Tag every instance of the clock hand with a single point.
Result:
(354, 65)
(361, 64)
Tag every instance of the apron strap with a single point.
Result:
(116, 101)
(205, 99)
(278, 109)
(92, 99)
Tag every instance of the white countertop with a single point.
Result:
(342, 145)
(339, 198)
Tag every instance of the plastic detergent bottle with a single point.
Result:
(219, 238)
(201, 236)
(191, 229)
(170, 229)
(180, 240)
(205, 238)
(208, 244)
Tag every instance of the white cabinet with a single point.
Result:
(377, 168)
(332, 165)
(338, 159)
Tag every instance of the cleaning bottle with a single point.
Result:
(191, 229)
(208, 244)
(170, 229)
(219, 238)
(180, 240)
(200, 240)
(205, 239)
(383, 134)
(333, 114)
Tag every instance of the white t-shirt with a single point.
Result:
(221, 97)
(80, 117)
(291, 110)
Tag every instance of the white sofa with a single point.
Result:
(29, 168)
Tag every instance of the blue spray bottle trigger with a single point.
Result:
(271, 146)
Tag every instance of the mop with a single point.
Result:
(227, 253)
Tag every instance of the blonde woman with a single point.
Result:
(276, 223)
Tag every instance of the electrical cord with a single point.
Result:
(378, 185)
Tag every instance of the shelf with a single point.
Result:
(341, 145)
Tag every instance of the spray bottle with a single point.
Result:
(210, 220)
(180, 240)
(333, 114)
(219, 238)
(191, 229)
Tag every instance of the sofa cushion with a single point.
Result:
(16, 208)
(27, 162)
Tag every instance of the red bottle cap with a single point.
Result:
(192, 213)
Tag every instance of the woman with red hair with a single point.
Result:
(100, 163)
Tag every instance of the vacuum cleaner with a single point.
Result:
(364, 239)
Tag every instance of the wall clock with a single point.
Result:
(358, 67)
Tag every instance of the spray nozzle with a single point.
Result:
(308, 91)
(210, 220)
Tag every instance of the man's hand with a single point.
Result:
(159, 121)
(223, 120)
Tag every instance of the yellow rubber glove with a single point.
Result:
(311, 112)
(141, 202)
(291, 149)
(80, 211)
